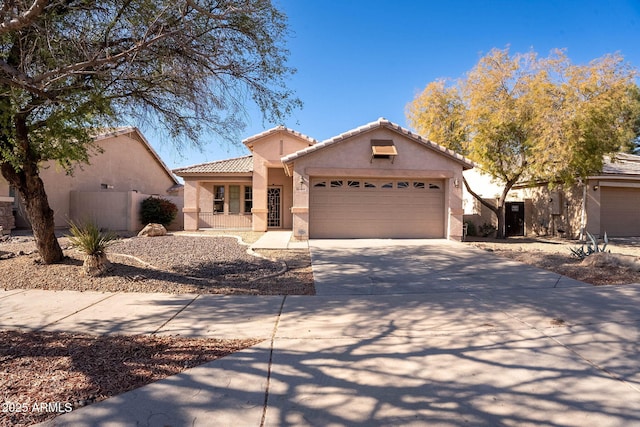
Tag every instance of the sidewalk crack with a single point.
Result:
(77, 311)
(175, 315)
(273, 338)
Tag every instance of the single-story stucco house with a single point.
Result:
(608, 202)
(376, 181)
(110, 189)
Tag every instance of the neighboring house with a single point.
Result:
(607, 202)
(7, 217)
(376, 181)
(110, 189)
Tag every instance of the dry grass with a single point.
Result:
(74, 370)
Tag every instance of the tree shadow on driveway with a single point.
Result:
(436, 359)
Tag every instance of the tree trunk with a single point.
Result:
(40, 215)
(497, 210)
(500, 232)
(31, 189)
(42, 221)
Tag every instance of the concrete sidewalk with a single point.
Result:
(511, 348)
(279, 239)
(188, 315)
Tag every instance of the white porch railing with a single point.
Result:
(221, 221)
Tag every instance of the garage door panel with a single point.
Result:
(406, 210)
(620, 211)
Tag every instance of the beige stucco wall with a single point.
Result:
(557, 211)
(352, 157)
(479, 215)
(191, 207)
(116, 210)
(199, 198)
(268, 170)
(124, 165)
(551, 211)
(4, 187)
(7, 218)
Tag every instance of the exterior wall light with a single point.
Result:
(456, 183)
(595, 187)
(302, 183)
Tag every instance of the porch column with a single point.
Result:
(300, 209)
(260, 184)
(191, 208)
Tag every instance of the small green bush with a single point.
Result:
(158, 210)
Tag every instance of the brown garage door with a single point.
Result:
(376, 208)
(620, 211)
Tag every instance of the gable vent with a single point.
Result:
(383, 149)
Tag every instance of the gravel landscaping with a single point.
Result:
(44, 374)
(622, 267)
(74, 370)
(171, 264)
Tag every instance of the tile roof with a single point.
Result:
(253, 138)
(381, 122)
(623, 164)
(237, 165)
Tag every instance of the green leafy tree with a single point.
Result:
(70, 67)
(521, 117)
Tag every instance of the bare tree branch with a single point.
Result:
(25, 19)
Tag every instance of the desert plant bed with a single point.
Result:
(169, 264)
(556, 255)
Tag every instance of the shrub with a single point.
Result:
(158, 210)
(487, 229)
(88, 238)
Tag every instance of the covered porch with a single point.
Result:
(219, 205)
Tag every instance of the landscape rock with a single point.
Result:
(153, 230)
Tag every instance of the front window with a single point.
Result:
(234, 199)
(248, 199)
(218, 198)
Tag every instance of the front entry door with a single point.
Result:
(514, 218)
(274, 206)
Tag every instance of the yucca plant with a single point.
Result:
(88, 238)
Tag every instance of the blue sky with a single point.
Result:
(359, 60)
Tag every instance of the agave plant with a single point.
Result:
(592, 247)
(88, 238)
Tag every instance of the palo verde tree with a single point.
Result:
(71, 67)
(521, 117)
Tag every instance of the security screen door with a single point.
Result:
(274, 196)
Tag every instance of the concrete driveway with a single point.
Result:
(408, 332)
(396, 266)
(411, 333)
